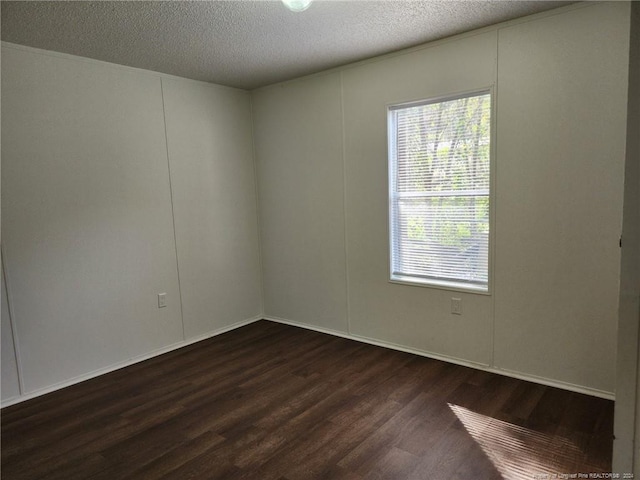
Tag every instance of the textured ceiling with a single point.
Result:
(245, 44)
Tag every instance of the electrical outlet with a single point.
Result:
(162, 300)
(456, 306)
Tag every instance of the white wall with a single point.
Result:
(561, 112)
(626, 447)
(298, 138)
(87, 213)
(214, 199)
(561, 146)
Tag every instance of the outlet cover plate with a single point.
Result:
(162, 300)
(456, 306)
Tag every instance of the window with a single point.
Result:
(439, 182)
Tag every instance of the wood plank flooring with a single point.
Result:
(270, 401)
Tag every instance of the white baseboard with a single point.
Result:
(337, 333)
(458, 361)
(119, 365)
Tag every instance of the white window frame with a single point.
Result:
(391, 153)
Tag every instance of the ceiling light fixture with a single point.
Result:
(297, 5)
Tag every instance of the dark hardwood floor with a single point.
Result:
(270, 401)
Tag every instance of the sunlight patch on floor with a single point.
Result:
(520, 453)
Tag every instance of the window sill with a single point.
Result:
(440, 285)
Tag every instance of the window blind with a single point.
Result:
(439, 154)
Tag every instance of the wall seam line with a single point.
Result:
(254, 159)
(494, 200)
(14, 331)
(344, 203)
(173, 215)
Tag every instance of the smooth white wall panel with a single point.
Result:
(406, 315)
(214, 199)
(562, 87)
(298, 138)
(627, 407)
(86, 215)
(10, 382)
